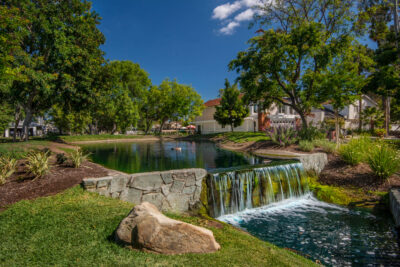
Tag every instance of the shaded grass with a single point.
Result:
(76, 228)
(19, 150)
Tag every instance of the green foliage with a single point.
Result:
(243, 137)
(311, 133)
(77, 226)
(61, 158)
(77, 157)
(7, 168)
(356, 150)
(38, 163)
(289, 60)
(306, 146)
(373, 116)
(383, 160)
(231, 110)
(282, 136)
(380, 132)
(326, 145)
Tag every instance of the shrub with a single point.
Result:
(7, 168)
(356, 150)
(38, 163)
(380, 132)
(77, 157)
(306, 146)
(311, 133)
(327, 146)
(383, 160)
(283, 136)
(61, 158)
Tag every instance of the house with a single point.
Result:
(36, 128)
(279, 115)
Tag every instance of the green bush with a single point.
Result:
(61, 158)
(77, 157)
(383, 160)
(311, 133)
(306, 146)
(356, 150)
(38, 163)
(282, 136)
(7, 168)
(327, 146)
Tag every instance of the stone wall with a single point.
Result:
(314, 162)
(175, 190)
(394, 198)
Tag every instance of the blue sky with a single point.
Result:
(190, 40)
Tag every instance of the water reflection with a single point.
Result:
(159, 156)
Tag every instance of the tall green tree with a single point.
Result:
(150, 108)
(284, 64)
(178, 102)
(60, 56)
(231, 111)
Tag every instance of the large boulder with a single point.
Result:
(148, 229)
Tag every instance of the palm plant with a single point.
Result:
(77, 157)
(384, 160)
(7, 168)
(38, 163)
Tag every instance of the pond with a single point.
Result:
(161, 156)
(334, 235)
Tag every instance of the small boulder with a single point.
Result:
(148, 229)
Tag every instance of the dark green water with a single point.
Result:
(160, 156)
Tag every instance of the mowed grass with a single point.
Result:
(75, 228)
(78, 138)
(243, 137)
(19, 150)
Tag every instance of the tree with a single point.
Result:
(60, 56)
(178, 102)
(344, 80)
(285, 63)
(231, 111)
(149, 111)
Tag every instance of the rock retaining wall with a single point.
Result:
(394, 197)
(314, 162)
(175, 190)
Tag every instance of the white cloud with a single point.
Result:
(229, 29)
(245, 15)
(224, 11)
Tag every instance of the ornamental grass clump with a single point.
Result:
(282, 136)
(7, 168)
(38, 163)
(325, 145)
(77, 157)
(306, 146)
(383, 160)
(356, 150)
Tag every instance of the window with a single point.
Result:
(281, 109)
(255, 108)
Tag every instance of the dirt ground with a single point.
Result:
(21, 185)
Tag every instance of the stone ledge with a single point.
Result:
(173, 190)
(394, 199)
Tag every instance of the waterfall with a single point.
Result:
(233, 191)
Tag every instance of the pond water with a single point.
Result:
(161, 156)
(334, 235)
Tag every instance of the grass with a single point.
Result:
(344, 196)
(75, 228)
(20, 150)
(78, 138)
(243, 137)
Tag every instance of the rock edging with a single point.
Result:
(394, 199)
(176, 190)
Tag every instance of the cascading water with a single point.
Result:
(233, 191)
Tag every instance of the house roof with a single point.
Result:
(213, 102)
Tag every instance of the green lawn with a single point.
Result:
(243, 137)
(77, 138)
(76, 228)
(20, 149)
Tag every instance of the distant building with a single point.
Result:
(279, 115)
(36, 128)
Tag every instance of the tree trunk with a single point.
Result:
(17, 119)
(304, 124)
(337, 128)
(232, 127)
(27, 122)
(359, 114)
(162, 126)
(386, 106)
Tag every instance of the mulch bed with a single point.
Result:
(338, 173)
(22, 185)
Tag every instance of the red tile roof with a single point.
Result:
(213, 102)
